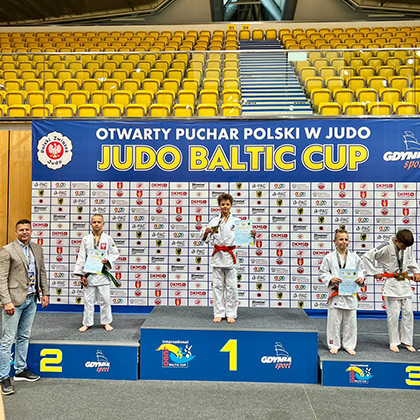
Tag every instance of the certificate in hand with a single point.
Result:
(348, 287)
(243, 232)
(93, 262)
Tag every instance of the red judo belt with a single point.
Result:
(398, 276)
(225, 248)
(335, 293)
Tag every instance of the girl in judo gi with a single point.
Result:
(341, 309)
(96, 285)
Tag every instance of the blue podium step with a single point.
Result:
(264, 345)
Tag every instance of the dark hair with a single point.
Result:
(337, 231)
(23, 222)
(225, 197)
(406, 237)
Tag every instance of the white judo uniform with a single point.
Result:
(98, 284)
(225, 287)
(397, 293)
(341, 309)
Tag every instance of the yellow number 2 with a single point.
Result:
(231, 347)
(48, 364)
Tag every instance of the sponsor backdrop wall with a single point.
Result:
(157, 182)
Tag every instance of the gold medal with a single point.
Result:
(400, 277)
(214, 229)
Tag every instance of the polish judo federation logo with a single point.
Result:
(359, 374)
(176, 355)
(55, 150)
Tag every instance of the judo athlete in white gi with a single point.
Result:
(96, 284)
(220, 232)
(396, 259)
(341, 309)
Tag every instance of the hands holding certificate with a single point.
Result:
(347, 283)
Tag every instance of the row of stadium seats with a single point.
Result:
(370, 108)
(117, 110)
(114, 41)
(123, 97)
(365, 95)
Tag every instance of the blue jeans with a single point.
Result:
(17, 326)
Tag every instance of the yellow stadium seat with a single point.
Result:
(151, 84)
(367, 95)
(390, 95)
(65, 110)
(111, 84)
(244, 35)
(171, 84)
(404, 108)
(165, 97)
(119, 74)
(71, 85)
(329, 108)
(354, 108)
(18, 111)
(138, 74)
(320, 95)
(135, 110)
(100, 97)
(377, 82)
(112, 110)
(379, 108)
(209, 96)
(184, 111)
(51, 85)
(65, 74)
(231, 110)
(13, 84)
(385, 71)
(79, 97)
(342, 96)
(231, 96)
(83, 74)
(91, 85)
(333, 83)
(16, 97)
(41, 111)
(412, 95)
(187, 97)
(88, 110)
(190, 84)
(307, 72)
(132, 85)
(207, 110)
(122, 97)
(36, 98)
(159, 110)
(366, 72)
(143, 97)
(398, 82)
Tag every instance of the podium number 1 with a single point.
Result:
(231, 347)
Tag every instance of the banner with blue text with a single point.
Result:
(157, 183)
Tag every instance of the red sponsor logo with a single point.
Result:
(137, 284)
(384, 203)
(158, 293)
(342, 185)
(199, 218)
(279, 252)
(118, 276)
(406, 212)
(363, 194)
(300, 261)
(178, 210)
(40, 241)
(59, 250)
(119, 185)
(103, 246)
(177, 302)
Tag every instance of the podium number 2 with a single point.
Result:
(231, 347)
(49, 364)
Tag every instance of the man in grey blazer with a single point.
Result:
(22, 278)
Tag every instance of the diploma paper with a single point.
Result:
(243, 232)
(93, 262)
(348, 287)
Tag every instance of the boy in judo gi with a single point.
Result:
(341, 308)
(396, 259)
(96, 284)
(221, 233)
